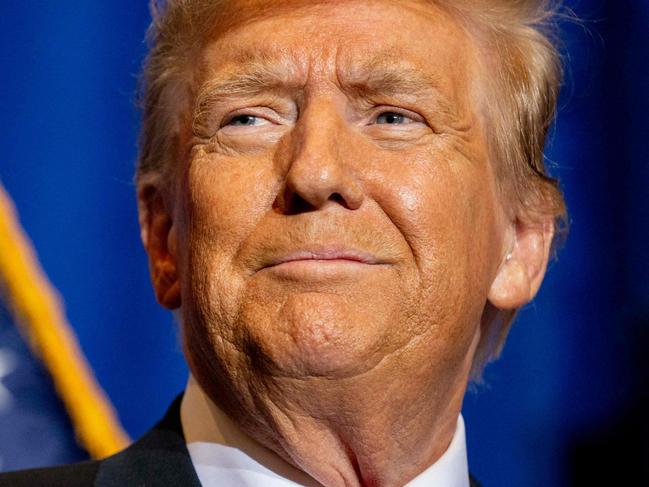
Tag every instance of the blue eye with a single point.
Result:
(391, 118)
(244, 120)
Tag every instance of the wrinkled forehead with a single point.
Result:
(396, 41)
(231, 14)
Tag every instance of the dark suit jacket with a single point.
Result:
(159, 459)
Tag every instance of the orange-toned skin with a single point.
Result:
(351, 364)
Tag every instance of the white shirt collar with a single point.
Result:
(224, 456)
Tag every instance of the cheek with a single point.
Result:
(445, 209)
(225, 197)
(224, 200)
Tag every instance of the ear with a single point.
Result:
(159, 238)
(523, 266)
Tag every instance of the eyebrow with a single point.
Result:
(384, 74)
(388, 74)
(247, 75)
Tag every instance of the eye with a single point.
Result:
(392, 118)
(245, 120)
(389, 117)
(395, 123)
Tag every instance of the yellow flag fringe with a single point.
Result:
(39, 312)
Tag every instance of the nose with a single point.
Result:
(317, 173)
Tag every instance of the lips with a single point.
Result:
(323, 254)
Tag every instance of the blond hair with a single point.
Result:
(524, 77)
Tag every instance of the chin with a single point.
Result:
(317, 335)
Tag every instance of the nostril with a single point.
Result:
(294, 204)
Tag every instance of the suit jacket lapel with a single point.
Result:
(159, 458)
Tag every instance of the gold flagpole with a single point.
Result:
(37, 308)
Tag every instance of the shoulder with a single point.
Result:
(474, 482)
(159, 458)
(77, 475)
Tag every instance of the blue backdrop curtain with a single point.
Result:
(567, 400)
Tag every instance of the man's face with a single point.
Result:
(337, 207)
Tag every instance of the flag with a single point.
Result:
(52, 410)
(35, 429)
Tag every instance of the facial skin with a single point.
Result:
(334, 233)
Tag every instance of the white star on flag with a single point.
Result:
(7, 366)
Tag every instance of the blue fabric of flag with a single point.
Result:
(35, 429)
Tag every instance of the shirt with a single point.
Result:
(224, 456)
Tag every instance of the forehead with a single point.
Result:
(341, 37)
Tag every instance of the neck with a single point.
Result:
(204, 422)
(359, 431)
